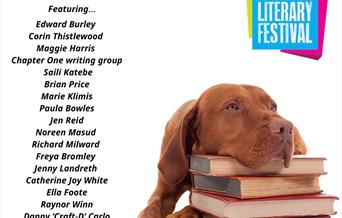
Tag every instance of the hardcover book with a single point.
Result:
(227, 166)
(289, 206)
(257, 187)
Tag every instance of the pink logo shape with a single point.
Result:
(317, 53)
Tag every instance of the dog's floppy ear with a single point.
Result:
(173, 164)
(299, 144)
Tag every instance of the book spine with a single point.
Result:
(221, 185)
(200, 164)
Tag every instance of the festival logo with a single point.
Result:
(292, 26)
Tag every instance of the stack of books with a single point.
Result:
(224, 188)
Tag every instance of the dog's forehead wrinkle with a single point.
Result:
(222, 94)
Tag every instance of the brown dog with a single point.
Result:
(240, 121)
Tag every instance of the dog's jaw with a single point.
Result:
(260, 153)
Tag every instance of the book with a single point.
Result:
(257, 187)
(288, 206)
(227, 166)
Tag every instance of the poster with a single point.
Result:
(87, 88)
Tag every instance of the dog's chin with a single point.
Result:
(256, 159)
(253, 160)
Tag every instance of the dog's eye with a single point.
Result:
(232, 107)
(273, 106)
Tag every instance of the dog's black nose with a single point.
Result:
(282, 127)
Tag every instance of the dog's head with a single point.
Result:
(240, 121)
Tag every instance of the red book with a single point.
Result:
(289, 206)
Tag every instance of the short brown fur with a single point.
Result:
(227, 119)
